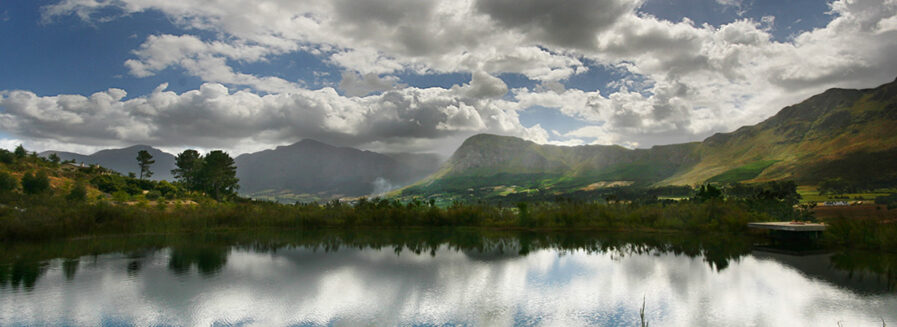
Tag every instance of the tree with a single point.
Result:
(188, 163)
(218, 176)
(35, 183)
(20, 152)
(834, 186)
(7, 182)
(145, 160)
(707, 192)
(54, 158)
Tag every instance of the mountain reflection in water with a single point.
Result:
(436, 277)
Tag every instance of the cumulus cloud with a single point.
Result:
(681, 81)
(212, 116)
(354, 84)
(570, 24)
(378, 37)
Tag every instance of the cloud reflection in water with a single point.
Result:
(352, 286)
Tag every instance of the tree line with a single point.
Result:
(214, 173)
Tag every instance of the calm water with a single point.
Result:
(437, 278)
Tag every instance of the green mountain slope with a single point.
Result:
(840, 133)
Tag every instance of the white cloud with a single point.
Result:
(214, 117)
(354, 84)
(362, 286)
(683, 81)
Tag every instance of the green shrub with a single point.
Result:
(108, 183)
(7, 182)
(121, 196)
(35, 183)
(6, 157)
(167, 189)
(77, 194)
(889, 200)
(153, 195)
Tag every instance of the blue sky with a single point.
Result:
(421, 75)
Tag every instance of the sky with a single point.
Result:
(421, 75)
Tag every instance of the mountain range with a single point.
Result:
(840, 133)
(305, 171)
(311, 171)
(123, 160)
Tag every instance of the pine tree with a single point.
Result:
(145, 160)
(218, 176)
(20, 152)
(188, 163)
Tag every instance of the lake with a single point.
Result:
(439, 277)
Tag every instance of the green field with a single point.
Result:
(746, 172)
(810, 194)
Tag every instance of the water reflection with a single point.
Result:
(436, 277)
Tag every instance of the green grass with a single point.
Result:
(746, 172)
(809, 194)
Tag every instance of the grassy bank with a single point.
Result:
(41, 200)
(54, 218)
(45, 218)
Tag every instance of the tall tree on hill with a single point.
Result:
(145, 160)
(188, 163)
(218, 175)
(20, 152)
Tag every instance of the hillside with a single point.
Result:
(850, 134)
(311, 170)
(840, 133)
(123, 160)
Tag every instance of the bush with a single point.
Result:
(141, 184)
(153, 195)
(167, 189)
(7, 182)
(6, 157)
(35, 183)
(108, 183)
(133, 189)
(888, 200)
(77, 194)
(121, 196)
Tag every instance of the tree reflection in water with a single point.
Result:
(23, 264)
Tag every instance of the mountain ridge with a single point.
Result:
(838, 133)
(317, 170)
(312, 170)
(123, 160)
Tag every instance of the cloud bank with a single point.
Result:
(682, 81)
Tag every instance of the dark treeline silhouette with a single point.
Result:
(215, 173)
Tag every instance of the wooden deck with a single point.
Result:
(789, 226)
